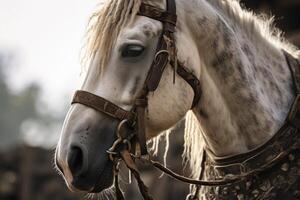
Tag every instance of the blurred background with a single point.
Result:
(40, 43)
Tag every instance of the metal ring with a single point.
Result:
(161, 52)
(111, 155)
(111, 151)
(121, 124)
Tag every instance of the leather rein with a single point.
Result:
(131, 142)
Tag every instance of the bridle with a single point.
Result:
(166, 52)
(131, 142)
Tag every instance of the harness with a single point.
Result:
(131, 142)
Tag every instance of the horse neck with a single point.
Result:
(246, 82)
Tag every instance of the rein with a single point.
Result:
(131, 142)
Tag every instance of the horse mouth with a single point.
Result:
(105, 179)
(87, 184)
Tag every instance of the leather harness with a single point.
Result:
(166, 53)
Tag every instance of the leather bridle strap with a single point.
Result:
(192, 80)
(158, 14)
(102, 105)
(166, 53)
(165, 45)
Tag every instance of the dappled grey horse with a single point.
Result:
(148, 65)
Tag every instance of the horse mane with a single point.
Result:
(105, 26)
(259, 27)
(193, 144)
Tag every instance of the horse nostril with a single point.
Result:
(76, 161)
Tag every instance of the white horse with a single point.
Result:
(247, 87)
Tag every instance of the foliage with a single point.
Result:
(15, 108)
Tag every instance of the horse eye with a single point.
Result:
(132, 51)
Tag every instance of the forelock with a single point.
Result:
(105, 26)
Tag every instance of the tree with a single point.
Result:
(15, 108)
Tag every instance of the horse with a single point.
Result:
(247, 74)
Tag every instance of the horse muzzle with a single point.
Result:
(81, 154)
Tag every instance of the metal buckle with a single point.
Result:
(161, 52)
(294, 116)
(233, 169)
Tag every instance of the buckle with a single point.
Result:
(294, 116)
(232, 169)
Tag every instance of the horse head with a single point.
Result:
(124, 53)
